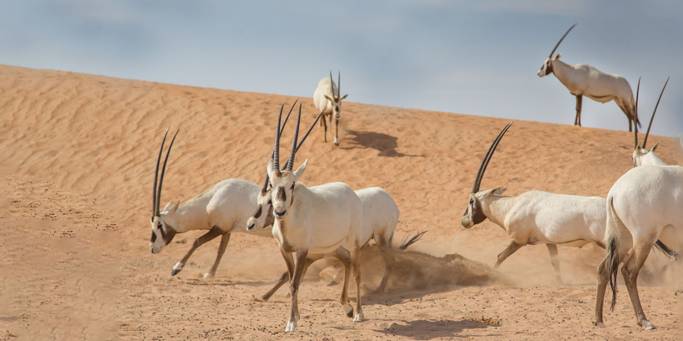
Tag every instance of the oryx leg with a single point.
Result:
(577, 119)
(603, 278)
(281, 281)
(336, 131)
(213, 233)
(629, 115)
(512, 248)
(284, 277)
(221, 250)
(344, 257)
(323, 122)
(355, 266)
(384, 245)
(299, 268)
(552, 249)
(630, 271)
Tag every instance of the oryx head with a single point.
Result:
(263, 217)
(474, 213)
(163, 223)
(642, 154)
(336, 99)
(283, 180)
(547, 67)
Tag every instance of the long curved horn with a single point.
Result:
(163, 170)
(265, 182)
(308, 132)
(560, 41)
(649, 126)
(290, 162)
(635, 131)
(338, 84)
(155, 205)
(284, 124)
(276, 148)
(489, 154)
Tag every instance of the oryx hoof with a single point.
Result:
(209, 275)
(599, 324)
(291, 326)
(358, 317)
(348, 310)
(647, 325)
(336, 143)
(177, 268)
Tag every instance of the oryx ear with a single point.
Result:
(171, 207)
(300, 171)
(499, 190)
(654, 147)
(329, 98)
(344, 97)
(556, 56)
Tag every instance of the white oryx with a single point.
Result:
(380, 215)
(641, 154)
(585, 80)
(222, 209)
(640, 204)
(327, 98)
(314, 221)
(537, 217)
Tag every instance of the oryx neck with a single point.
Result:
(496, 207)
(561, 70)
(191, 215)
(650, 158)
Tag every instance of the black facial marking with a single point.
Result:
(258, 212)
(281, 194)
(154, 237)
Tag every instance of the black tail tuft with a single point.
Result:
(408, 241)
(612, 268)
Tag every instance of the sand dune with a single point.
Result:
(77, 164)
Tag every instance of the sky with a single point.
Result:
(473, 57)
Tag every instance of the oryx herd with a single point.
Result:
(334, 221)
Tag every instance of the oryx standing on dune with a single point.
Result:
(640, 204)
(313, 221)
(585, 80)
(327, 98)
(537, 217)
(222, 209)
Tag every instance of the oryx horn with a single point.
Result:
(487, 158)
(155, 208)
(560, 41)
(290, 162)
(649, 126)
(163, 172)
(635, 131)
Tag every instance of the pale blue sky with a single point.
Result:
(475, 57)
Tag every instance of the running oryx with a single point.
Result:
(314, 221)
(537, 217)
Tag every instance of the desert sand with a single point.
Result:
(76, 174)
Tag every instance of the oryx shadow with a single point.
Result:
(384, 144)
(432, 329)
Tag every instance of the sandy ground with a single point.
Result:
(77, 164)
